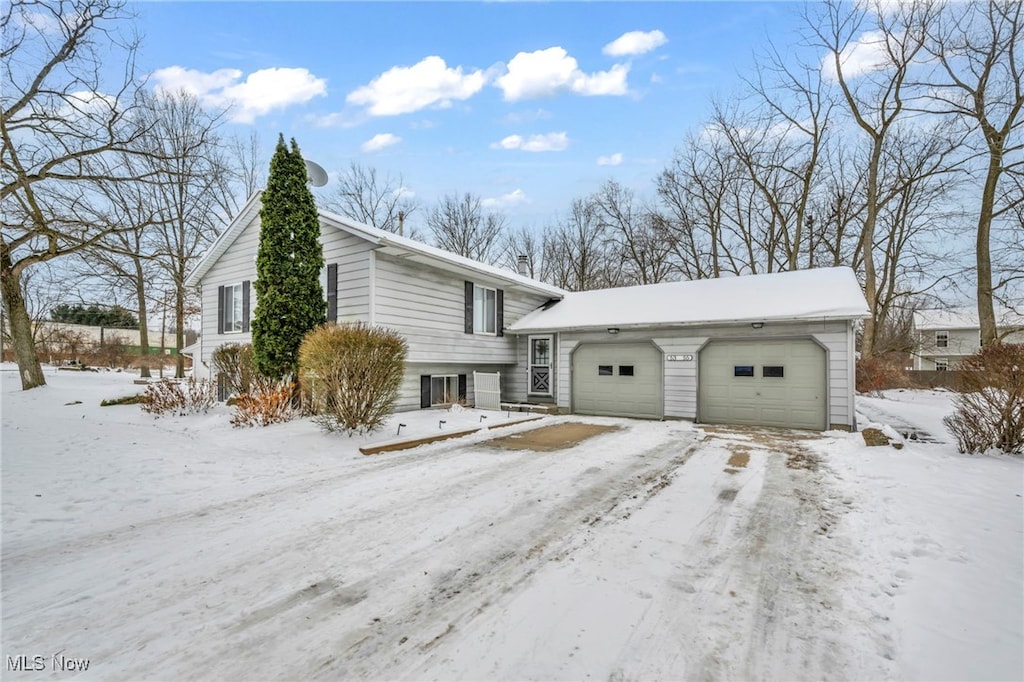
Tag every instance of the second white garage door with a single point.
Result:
(617, 380)
(767, 383)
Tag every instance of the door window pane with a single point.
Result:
(743, 370)
(541, 352)
(604, 370)
(625, 370)
(774, 371)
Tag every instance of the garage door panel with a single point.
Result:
(634, 387)
(795, 399)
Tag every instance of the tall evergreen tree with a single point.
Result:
(289, 299)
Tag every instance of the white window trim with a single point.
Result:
(454, 378)
(229, 289)
(476, 307)
(944, 337)
(944, 362)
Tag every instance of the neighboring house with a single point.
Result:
(775, 349)
(945, 337)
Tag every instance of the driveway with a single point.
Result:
(461, 560)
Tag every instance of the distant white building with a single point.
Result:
(945, 337)
(96, 335)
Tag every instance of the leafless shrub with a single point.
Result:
(178, 398)
(269, 402)
(880, 373)
(990, 407)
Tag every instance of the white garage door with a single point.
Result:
(768, 383)
(617, 379)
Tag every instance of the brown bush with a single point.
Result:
(990, 406)
(269, 402)
(350, 375)
(880, 373)
(178, 398)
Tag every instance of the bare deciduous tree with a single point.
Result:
(376, 200)
(875, 97)
(639, 239)
(976, 45)
(577, 251)
(63, 122)
(460, 225)
(189, 194)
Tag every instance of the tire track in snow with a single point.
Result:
(262, 599)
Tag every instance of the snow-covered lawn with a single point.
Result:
(184, 549)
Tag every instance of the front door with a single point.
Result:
(540, 365)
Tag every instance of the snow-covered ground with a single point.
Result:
(181, 548)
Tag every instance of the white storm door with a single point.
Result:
(540, 365)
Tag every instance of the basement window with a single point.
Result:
(773, 371)
(625, 370)
(743, 370)
(604, 370)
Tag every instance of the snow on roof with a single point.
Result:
(962, 318)
(376, 236)
(436, 255)
(825, 293)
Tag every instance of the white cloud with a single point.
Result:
(548, 142)
(516, 196)
(613, 160)
(380, 141)
(634, 43)
(260, 93)
(547, 72)
(402, 90)
(866, 54)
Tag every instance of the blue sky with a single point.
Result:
(526, 105)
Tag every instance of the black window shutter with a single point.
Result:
(424, 390)
(245, 306)
(332, 292)
(220, 310)
(500, 322)
(469, 307)
(462, 387)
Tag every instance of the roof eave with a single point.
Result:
(684, 324)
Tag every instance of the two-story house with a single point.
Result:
(773, 349)
(946, 336)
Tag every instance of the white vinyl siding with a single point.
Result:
(409, 390)
(428, 307)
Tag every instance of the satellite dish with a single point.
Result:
(316, 174)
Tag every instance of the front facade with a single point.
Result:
(648, 352)
(945, 337)
(451, 311)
